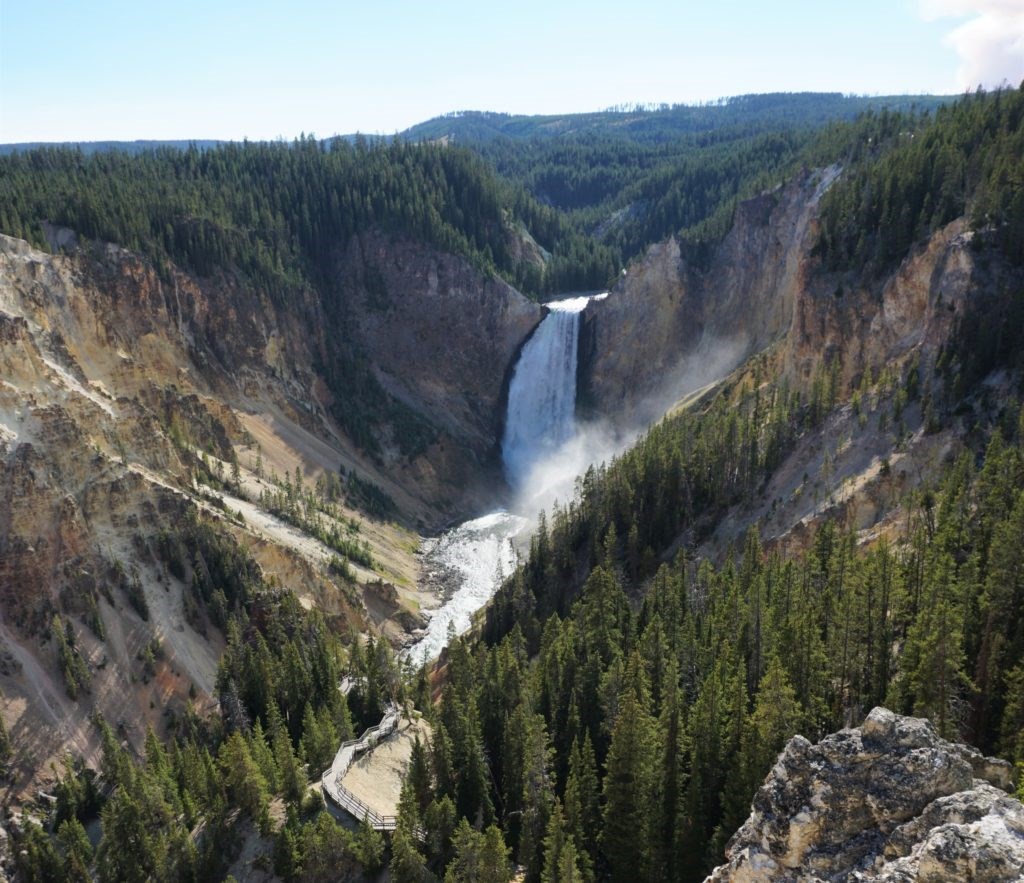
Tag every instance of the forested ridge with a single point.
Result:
(633, 177)
(650, 701)
(967, 161)
(628, 195)
(280, 212)
(278, 217)
(593, 190)
(770, 111)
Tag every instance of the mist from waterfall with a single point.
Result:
(542, 453)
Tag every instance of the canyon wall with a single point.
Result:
(668, 327)
(117, 377)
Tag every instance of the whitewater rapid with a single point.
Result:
(475, 557)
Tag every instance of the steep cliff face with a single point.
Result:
(870, 325)
(889, 801)
(667, 329)
(113, 376)
(441, 338)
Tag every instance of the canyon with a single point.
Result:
(136, 397)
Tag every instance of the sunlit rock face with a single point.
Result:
(669, 326)
(888, 801)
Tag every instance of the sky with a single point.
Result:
(72, 70)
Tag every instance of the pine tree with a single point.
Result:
(667, 806)
(1011, 742)
(569, 865)
(538, 795)
(418, 775)
(129, 850)
(776, 717)
(368, 847)
(555, 840)
(513, 752)
(582, 804)
(263, 757)
(479, 858)
(443, 762)
(935, 649)
(77, 850)
(36, 858)
(287, 859)
(439, 822)
(246, 785)
(628, 783)
(495, 857)
(327, 850)
(291, 776)
(319, 740)
(473, 797)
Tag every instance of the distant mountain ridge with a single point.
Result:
(100, 146)
(774, 110)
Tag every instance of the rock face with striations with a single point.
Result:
(443, 339)
(890, 801)
(115, 374)
(668, 327)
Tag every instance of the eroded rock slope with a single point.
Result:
(124, 387)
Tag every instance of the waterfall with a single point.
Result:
(541, 415)
(468, 562)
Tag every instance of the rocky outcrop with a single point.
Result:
(889, 801)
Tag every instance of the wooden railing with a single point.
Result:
(331, 778)
(347, 801)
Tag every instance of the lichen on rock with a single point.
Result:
(888, 801)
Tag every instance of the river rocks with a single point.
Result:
(889, 801)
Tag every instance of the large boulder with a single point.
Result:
(888, 801)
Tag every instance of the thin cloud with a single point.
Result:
(990, 43)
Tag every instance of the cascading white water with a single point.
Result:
(541, 415)
(472, 559)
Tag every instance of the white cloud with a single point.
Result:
(990, 43)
